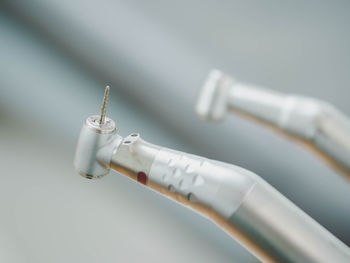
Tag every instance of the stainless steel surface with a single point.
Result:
(59, 59)
(273, 226)
(93, 123)
(312, 121)
(216, 186)
(134, 155)
(95, 147)
(241, 203)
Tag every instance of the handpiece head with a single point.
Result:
(212, 101)
(96, 144)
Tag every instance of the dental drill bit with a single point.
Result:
(104, 105)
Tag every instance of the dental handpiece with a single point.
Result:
(250, 210)
(316, 124)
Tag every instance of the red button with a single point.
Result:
(142, 177)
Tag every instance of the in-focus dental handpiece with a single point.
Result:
(317, 124)
(237, 200)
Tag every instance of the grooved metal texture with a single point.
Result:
(216, 185)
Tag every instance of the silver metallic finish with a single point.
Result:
(104, 105)
(312, 121)
(93, 122)
(134, 155)
(219, 186)
(95, 147)
(212, 101)
(237, 200)
(246, 207)
(282, 231)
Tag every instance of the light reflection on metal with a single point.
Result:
(237, 200)
(315, 123)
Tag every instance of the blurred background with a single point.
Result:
(56, 57)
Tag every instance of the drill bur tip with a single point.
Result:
(104, 106)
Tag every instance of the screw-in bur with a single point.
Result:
(104, 106)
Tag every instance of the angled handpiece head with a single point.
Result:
(97, 142)
(213, 99)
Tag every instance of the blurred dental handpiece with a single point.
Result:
(317, 124)
(239, 201)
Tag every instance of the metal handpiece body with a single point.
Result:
(246, 207)
(317, 124)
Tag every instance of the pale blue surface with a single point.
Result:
(56, 58)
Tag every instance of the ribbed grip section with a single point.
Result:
(216, 185)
